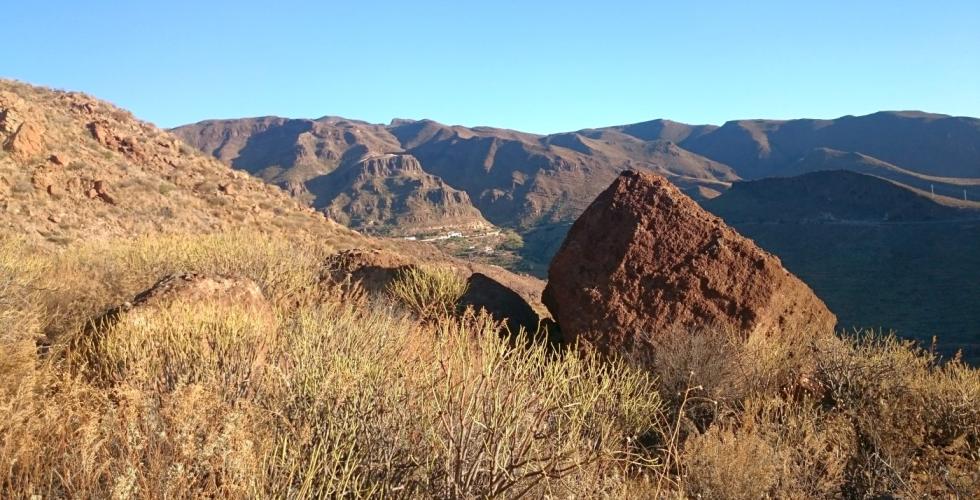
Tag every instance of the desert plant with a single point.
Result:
(430, 292)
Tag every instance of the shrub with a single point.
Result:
(432, 293)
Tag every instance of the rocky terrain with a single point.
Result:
(74, 168)
(515, 179)
(170, 326)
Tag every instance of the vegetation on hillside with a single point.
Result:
(337, 393)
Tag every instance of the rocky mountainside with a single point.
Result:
(289, 152)
(515, 179)
(528, 182)
(73, 167)
(391, 193)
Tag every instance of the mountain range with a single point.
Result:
(525, 181)
(888, 198)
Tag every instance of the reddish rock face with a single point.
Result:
(645, 260)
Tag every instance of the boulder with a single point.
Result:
(21, 130)
(644, 260)
(27, 141)
(192, 288)
(503, 295)
(502, 303)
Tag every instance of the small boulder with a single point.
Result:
(501, 297)
(501, 302)
(192, 288)
(27, 141)
(644, 260)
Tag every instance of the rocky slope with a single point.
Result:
(73, 167)
(645, 261)
(515, 179)
(288, 152)
(392, 194)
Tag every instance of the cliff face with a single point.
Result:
(392, 194)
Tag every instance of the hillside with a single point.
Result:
(879, 254)
(74, 168)
(288, 152)
(930, 144)
(947, 190)
(830, 196)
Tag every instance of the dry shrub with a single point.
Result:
(774, 449)
(431, 292)
(917, 420)
(185, 343)
(20, 316)
(512, 422)
(335, 395)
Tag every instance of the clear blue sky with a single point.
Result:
(534, 66)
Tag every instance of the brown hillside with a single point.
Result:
(73, 167)
(288, 152)
(514, 178)
(392, 194)
(948, 190)
(930, 144)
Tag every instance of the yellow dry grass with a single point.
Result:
(340, 394)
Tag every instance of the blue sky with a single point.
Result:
(539, 67)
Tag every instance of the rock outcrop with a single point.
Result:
(392, 194)
(20, 130)
(645, 260)
(193, 289)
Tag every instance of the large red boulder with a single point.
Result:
(644, 260)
